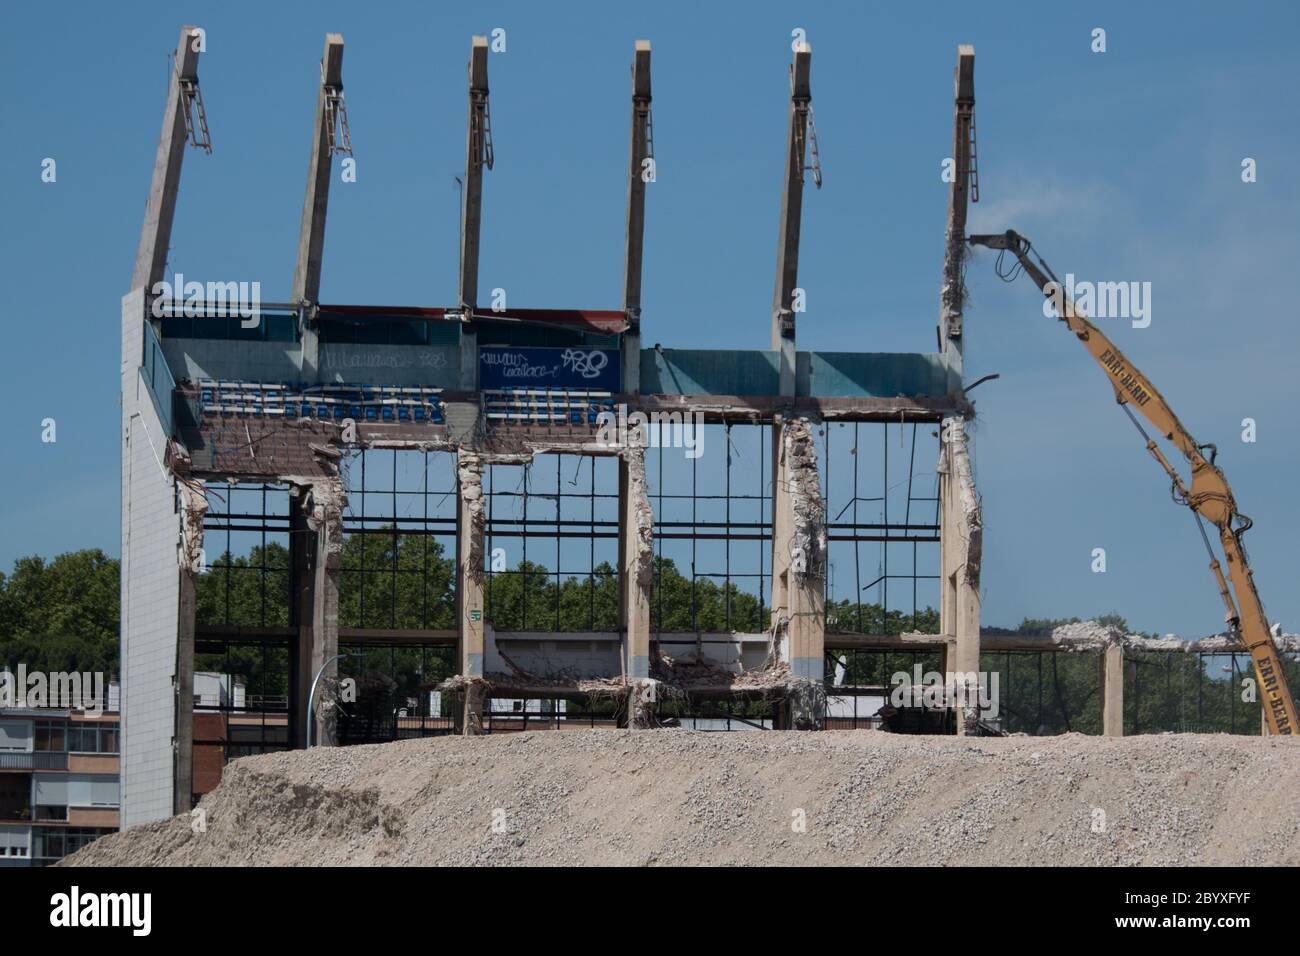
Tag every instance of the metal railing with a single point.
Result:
(35, 760)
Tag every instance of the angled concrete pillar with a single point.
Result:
(787, 249)
(799, 566)
(478, 157)
(961, 536)
(634, 240)
(311, 234)
(1111, 675)
(960, 191)
(471, 522)
(160, 207)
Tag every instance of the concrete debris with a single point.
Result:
(1093, 636)
(809, 532)
(643, 693)
(324, 505)
(194, 506)
(678, 797)
(328, 452)
(700, 673)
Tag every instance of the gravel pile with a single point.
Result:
(680, 797)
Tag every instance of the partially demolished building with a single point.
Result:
(305, 427)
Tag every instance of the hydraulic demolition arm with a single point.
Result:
(1209, 496)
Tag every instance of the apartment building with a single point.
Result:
(59, 785)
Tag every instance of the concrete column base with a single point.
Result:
(805, 705)
(471, 721)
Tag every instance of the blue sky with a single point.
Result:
(1120, 166)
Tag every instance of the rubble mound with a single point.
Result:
(672, 797)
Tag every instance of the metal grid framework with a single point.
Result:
(713, 529)
(551, 544)
(247, 579)
(878, 494)
(1193, 693)
(506, 715)
(503, 714)
(264, 721)
(397, 567)
(859, 682)
(1043, 693)
(394, 697)
(1048, 692)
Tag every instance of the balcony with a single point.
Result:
(36, 760)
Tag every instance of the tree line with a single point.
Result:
(62, 615)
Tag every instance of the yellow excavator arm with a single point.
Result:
(1208, 496)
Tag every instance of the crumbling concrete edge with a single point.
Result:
(469, 473)
(808, 536)
(323, 506)
(955, 454)
(194, 508)
(642, 518)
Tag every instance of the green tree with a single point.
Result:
(61, 615)
(251, 590)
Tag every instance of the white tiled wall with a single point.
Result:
(150, 591)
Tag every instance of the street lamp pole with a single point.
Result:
(311, 698)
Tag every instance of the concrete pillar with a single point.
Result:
(183, 789)
(961, 535)
(635, 234)
(318, 597)
(194, 505)
(799, 567)
(302, 581)
(787, 249)
(954, 252)
(470, 531)
(311, 234)
(636, 582)
(160, 208)
(1112, 690)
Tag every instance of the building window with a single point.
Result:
(55, 844)
(51, 736)
(47, 812)
(93, 738)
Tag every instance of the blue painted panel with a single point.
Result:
(818, 374)
(505, 366)
(871, 374)
(708, 372)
